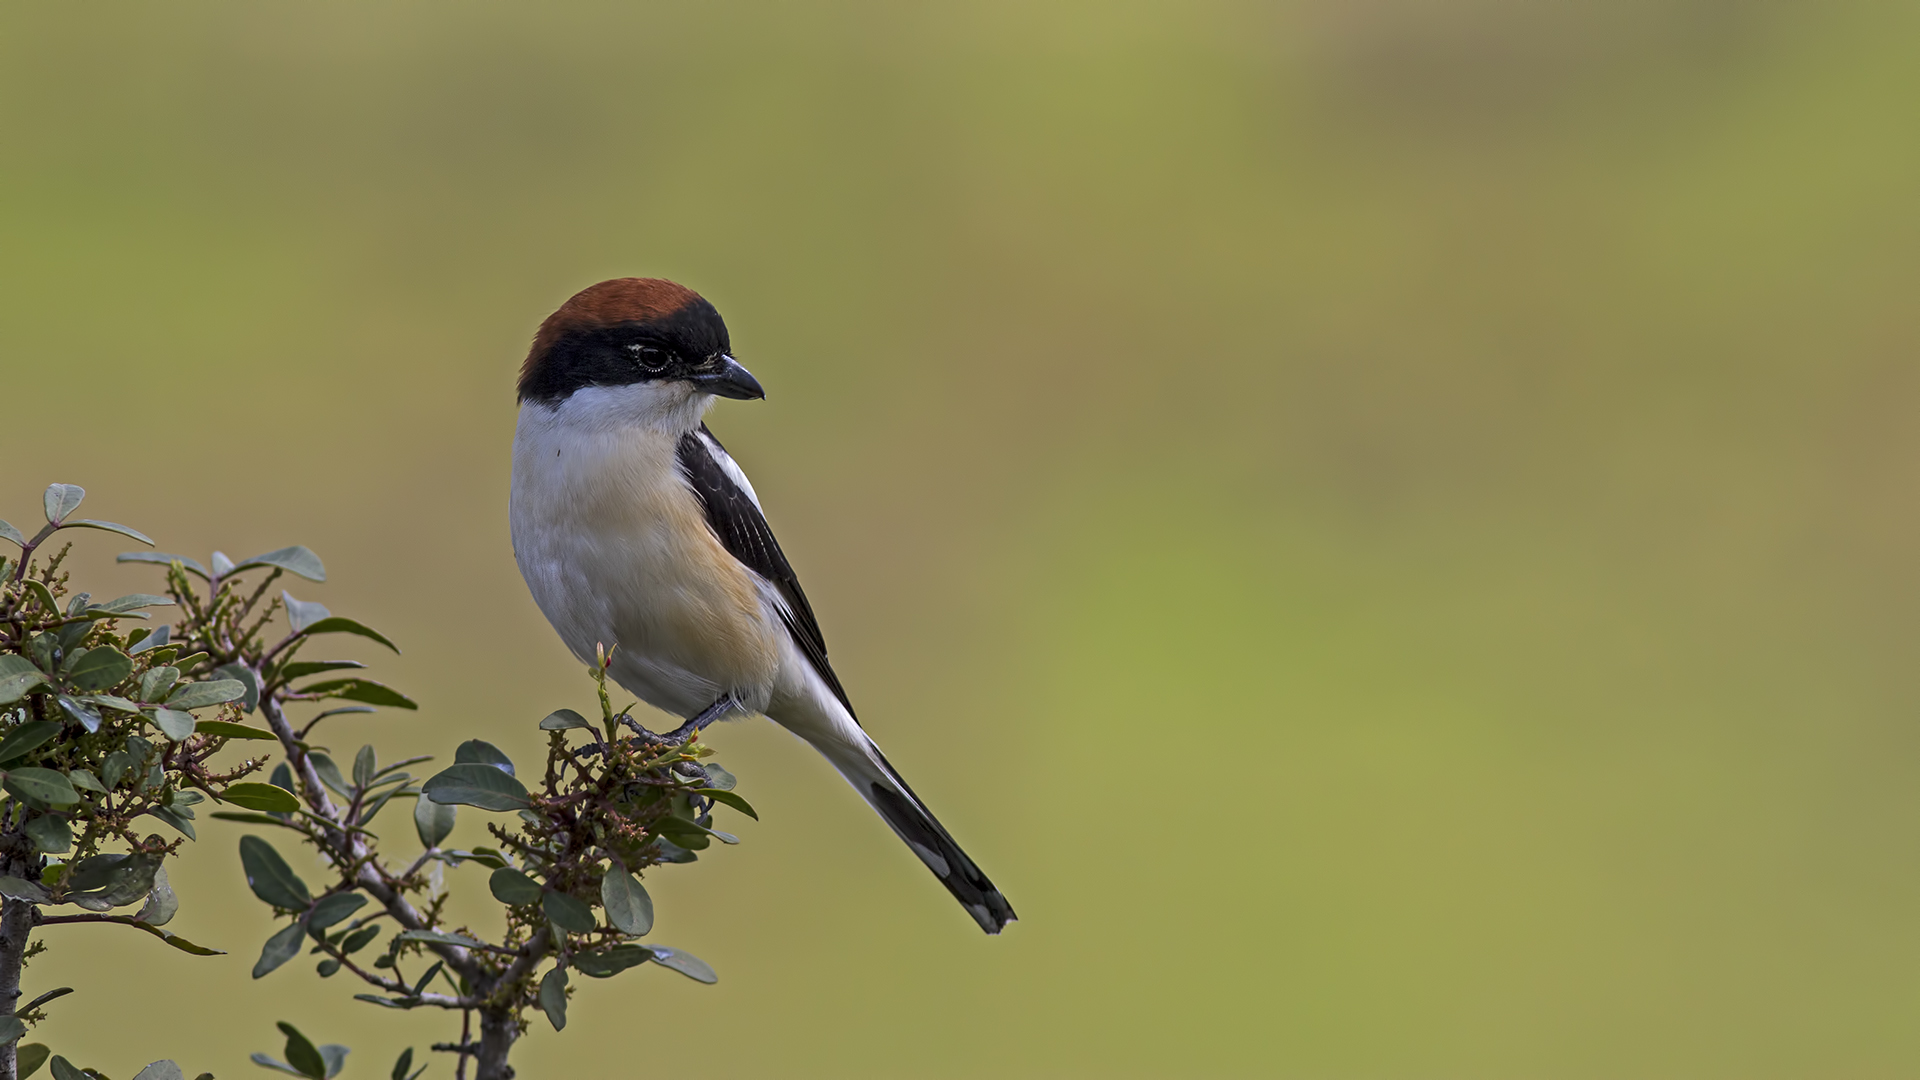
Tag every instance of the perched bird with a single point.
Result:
(635, 529)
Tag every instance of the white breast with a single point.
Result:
(615, 548)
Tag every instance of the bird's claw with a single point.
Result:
(688, 731)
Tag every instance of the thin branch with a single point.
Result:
(369, 875)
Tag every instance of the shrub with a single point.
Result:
(98, 731)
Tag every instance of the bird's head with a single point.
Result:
(645, 333)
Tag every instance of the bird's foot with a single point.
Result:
(687, 731)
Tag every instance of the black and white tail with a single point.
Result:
(868, 770)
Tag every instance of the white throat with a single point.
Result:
(668, 408)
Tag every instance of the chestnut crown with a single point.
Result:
(632, 330)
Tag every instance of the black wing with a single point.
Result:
(743, 531)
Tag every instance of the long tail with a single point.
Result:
(849, 750)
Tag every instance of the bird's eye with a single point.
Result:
(648, 357)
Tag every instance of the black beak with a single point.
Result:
(728, 379)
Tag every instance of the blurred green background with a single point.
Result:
(1388, 528)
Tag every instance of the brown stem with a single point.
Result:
(466, 1039)
(370, 875)
(497, 1032)
(16, 922)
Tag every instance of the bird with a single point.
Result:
(636, 531)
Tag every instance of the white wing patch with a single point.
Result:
(731, 468)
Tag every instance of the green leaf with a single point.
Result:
(154, 640)
(62, 499)
(99, 615)
(404, 1063)
(181, 943)
(486, 857)
(160, 1070)
(26, 737)
(337, 625)
(163, 559)
(115, 767)
(174, 724)
(108, 526)
(175, 818)
(302, 613)
(553, 997)
(64, 1070)
(15, 664)
(391, 1003)
(82, 780)
(365, 764)
(295, 560)
(162, 903)
(21, 889)
(483, 786)
(11, 1029)
(684, 833)
(330, 774)
(43, 596)
(420, 985)
(156, 683)
(568, 913)
(51, 995)
(52, 835)
(670, 852)
(99, 669)
(606, 963)
(366, 690)
(359, 939)
(438, 937)
(112, 880)
(133, 602)
(332, 909)
(279, 949)
(511, 887)
(28, 1058)
(380, 803)
(250, 819)
(88, 716)
(302, 1054)
(683, 962)
(303, 668)
(114, 701)
(691, 834)
(270, 877)
(333, 1054)
(265, 797)
(719, 779)
(8, 532)
(343, 710)
(243, 675)
(268, 1061)
(46, 785)
(226, 730)
(433, 821)
(728, 798)
(562, 719)
(629, 908)
(475, 752)
(198, 695)
(15, 686)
